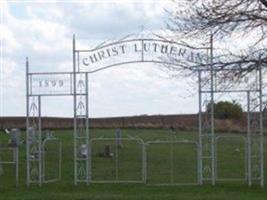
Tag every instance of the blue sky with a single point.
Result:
(43, 32)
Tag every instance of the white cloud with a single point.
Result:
(43, 31)
(9, 41)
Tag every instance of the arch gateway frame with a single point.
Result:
(75, 84)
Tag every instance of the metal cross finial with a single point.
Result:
(142, 27)
(142, 30)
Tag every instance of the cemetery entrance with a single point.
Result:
(104, 159)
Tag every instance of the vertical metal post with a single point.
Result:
(43, 163)
(212, 111)
(74, 111)
(16, 149)
(39, 141)
(215, 159)
(87, 132)
(246, 159)
(248, 140)
(172, 164)
(200, 162)
(142, 55)
(27, 124)
(261, 128)
(144, 161)
(116, 162)
(60, 160)
(89, 137)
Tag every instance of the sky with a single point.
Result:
(43, 31)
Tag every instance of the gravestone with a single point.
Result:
(173, 132)
(83, 151)
(14, 137)
(118, 138)
(107, 151)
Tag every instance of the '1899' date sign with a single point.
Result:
(49, 84)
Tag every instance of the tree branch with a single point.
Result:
(264, 2)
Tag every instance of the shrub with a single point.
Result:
(226, 110)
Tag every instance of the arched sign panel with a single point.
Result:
(139, 50)
(114, 54)
(135, 51)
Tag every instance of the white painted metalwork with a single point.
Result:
(233, 138)
(172, 168)
(14, 161)
(208, 86)
(57, 170)
(75, 83)
(113, 163)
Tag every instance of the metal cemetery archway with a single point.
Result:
(213, 81)
(127, 51)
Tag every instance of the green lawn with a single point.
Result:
(160, 170)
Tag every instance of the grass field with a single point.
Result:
(160, 170)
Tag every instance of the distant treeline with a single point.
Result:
(181, 122)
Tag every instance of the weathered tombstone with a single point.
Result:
(83, 151)
(173, 132)
(107, 152)
(14, 137)
(118, 138)
(172, 128)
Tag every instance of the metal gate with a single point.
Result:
(172, 163)
(117, 161)
(231, 158)
(52, 158)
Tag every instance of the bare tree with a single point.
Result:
(242, 21)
